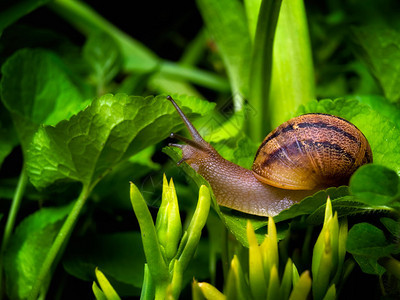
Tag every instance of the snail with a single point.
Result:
(303, 155)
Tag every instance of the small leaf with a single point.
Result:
(193, 233)
(369, 265)
(98, 293)
(366, 240)
(331, 293)
(226, 21)
(106, 287)
(302, 287)
(210, 292)
(102, 54)
(28, 248)
(151, 246)
(286, 284)
(258, 282)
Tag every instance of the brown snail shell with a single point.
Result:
(311, 151)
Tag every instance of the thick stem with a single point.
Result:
(16, 202)
(137, 57)
(61, 238)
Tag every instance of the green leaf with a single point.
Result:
(261, 68)
(106, 287)
(151, 246)
(18, 9)
(312, 203)
(119, 255)
(378, 46)
(380, 104)
(392, 226)
(226, 22)
(369, 265)
(292, 81)
(28, 248)
(344, 206)
(193, 233)
(368, 241)
(46, 95)
(102, 54)
(98, 293)
(381, 133)
(113, 128)
(8, 138)
(374, 185)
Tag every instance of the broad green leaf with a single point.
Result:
(28, 248)
(382, 134)
(226, 22)
(378, 46)
(37, 89)
(380, 104)
(102, 54)
(119, 255)
(113, 128)
(374, 185)
(36, 85)
(16, 10)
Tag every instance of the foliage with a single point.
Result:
(263, 281)
(83, 113)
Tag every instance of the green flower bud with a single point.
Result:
(168, 223)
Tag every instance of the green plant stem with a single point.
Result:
(12, 215)
(61, 238)
(261, 68)
(194, 75)
(137, 57)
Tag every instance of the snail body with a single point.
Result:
(298, 158)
